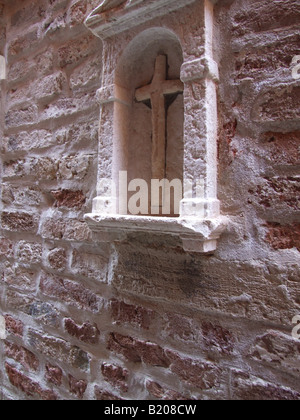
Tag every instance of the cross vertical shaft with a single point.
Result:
(156, 92)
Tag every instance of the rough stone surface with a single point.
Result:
(142, 319)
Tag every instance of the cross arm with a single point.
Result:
(143, 94)
(172, 86)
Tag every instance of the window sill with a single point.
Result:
(197, 235)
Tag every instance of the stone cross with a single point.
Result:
(159, 88)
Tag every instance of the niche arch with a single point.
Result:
(133, 131)
(134, 34)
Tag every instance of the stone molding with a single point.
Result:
(105, 24)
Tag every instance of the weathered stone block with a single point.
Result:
(23, 43)
(278, 105)
(58, 349)
(278, 351)
(54, 374)
(202, 375)
(68, 198)
(260, 17)
(57, 259)
(116, 376)
(123, 313)
(161, 393)
(90, 265)
(6, 248)
(282, 236)
(138, 351)
(77, 387)
(247, 387)
(69, 292)
(66, 229)
(76, 50)
(77, 13)
(22, 116)
(280, 195)
(22, 355)
(14, 326)
(87, 332)
(27, 196)
(19, 221)
(281, 148)
(29, 252)
(19, 277)
(49, 87)
(28, 386)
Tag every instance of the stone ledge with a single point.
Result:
(197, 235)
(107, 22)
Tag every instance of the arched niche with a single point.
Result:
(133, 127)
(134, 35)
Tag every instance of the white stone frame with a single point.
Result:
(198, 230)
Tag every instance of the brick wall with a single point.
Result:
(143, 319)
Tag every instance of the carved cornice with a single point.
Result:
(113, 17)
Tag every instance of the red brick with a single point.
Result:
(18, 221)
(78, 12)
(54, 374)
(125, 346)
(103, 395)
(22, 355)
(227, 152)
(87, 332)
(138, 351)
(136, 315)
(161, 393)
(246, 387)
(27, 385)
(6, 247)
(218, 338)
(68, 198)
(77, 387)
(283, 236)
(202, 375)
(116, 376)
(14, 326)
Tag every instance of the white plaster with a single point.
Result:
(2, 328)
(2, 68)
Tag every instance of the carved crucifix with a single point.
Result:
(156, 92)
